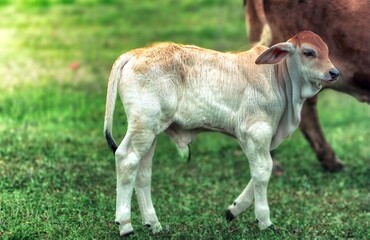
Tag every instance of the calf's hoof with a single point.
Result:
(126, 235)
(229, 215)
(264, 225)
(155, 228)
(271, 227)
(125, 229)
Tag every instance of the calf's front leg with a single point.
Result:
(261, 166)
(242, 202)
(257, 150)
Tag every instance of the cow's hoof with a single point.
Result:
(333, 166)
(229, 215)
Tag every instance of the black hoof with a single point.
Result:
(229, 215)
(335, 168)
(127, 234)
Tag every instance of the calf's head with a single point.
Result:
(307, 58)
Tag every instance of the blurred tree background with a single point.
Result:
(57, 176)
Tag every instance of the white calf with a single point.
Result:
(254, 96)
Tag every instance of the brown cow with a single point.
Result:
(344, 26)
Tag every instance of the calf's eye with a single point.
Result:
(309, 53)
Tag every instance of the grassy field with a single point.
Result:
(57, 176)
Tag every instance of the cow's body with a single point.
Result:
(184, 90)
(344, 26)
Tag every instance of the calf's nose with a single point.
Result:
(334, 73)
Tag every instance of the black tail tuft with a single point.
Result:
(112, 144)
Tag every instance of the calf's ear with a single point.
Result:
(276, 53)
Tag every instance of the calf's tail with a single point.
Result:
(114, 78)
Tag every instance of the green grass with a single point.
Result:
(57, 176)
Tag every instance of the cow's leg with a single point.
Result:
(132, 149)
(311, 129)
(142, 189)
(242, 202)
(252, 18)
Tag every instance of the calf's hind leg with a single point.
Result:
(142, 189)
(135, 145)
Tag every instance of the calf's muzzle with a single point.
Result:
(334, 74)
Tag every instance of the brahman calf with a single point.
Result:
(254, 96)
